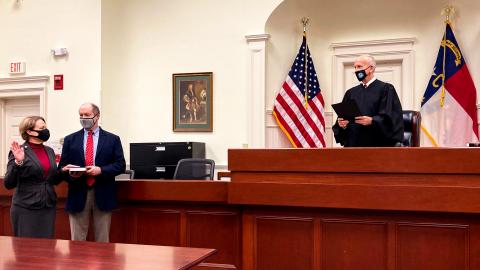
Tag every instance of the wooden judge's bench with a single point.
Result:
(383, 208)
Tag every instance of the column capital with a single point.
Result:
(257, 37)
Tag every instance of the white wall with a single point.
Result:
(31, 28)
(145, 42)
(129, 75)
(350, 20)
(130, 48)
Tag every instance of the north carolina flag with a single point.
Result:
(449, 111)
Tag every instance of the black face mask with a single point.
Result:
(361, 74)
(43, 134)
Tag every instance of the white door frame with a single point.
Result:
(26, 86)
(387, 49)
(31, 86)
(398, 50)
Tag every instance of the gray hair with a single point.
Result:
(371, 61)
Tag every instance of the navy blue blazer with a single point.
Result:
(109, 157)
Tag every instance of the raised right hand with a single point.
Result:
(18, 152)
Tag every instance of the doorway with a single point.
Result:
(19, 97)
(15, 109)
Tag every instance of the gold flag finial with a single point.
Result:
(448, 11)
(305, 21)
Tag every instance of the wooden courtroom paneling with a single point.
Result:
(160, 217)
(219, 230)
(6, 227)
(5, 201)
(62, 224)
(367, 240)
(366, 160)
(283, 242)
(387, 208)
(171, 190)
(121, 226)
(381, 197)
(432, 246)
(384, 179)
(157, 227)
(2, 221)
(354, 244)
(400, 185)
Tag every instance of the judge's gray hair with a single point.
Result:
(371, 61)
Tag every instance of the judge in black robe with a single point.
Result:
(381, 123)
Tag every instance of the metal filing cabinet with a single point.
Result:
(159, 160)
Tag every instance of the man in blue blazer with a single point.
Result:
(92, 191)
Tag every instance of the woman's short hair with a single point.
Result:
(28, 123)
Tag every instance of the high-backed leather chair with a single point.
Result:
(411, 128)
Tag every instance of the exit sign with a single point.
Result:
(16, 68)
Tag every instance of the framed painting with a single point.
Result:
(192, 102)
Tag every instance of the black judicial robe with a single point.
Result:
(379, 101)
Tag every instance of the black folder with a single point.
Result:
(347, 109)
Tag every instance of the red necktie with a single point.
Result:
(89, 157)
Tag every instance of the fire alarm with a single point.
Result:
(58, 82)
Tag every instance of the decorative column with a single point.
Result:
(256, 90)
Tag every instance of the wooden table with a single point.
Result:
(38, 254)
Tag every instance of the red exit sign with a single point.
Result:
(16, 67)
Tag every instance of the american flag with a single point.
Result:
(300, 116)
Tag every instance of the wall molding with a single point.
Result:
(369, 43)
(12, 87)
(389, 49)
(256, 90)
(258, 37)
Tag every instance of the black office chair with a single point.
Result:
(194, 169)
(411, 128)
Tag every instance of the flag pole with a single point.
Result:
(446, 11)
(305, 21)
